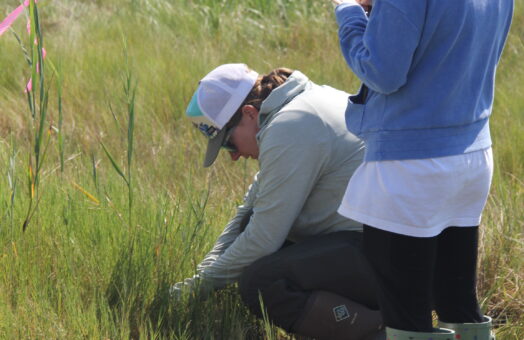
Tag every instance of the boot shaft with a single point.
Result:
(437, 334)
(471, 331)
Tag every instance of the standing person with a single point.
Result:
(428, 71)
(287, 242)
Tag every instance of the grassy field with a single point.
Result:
(101, 249)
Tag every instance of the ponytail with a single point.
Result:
(261, 90)
(265, 84)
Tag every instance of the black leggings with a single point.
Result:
(286, 278)
(416, 275)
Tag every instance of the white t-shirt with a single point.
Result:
(420, 197)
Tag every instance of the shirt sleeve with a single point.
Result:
(290, 164)
(380, 49)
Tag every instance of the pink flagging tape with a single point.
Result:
(29, 86)
(8, 21)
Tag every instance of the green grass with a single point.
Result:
(82, 269)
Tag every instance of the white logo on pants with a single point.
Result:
(341, 312)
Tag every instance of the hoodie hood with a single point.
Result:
(282, 95)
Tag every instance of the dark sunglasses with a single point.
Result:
(227, 144)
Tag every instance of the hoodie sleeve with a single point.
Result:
(290, 164)
(380, 49)
(232, 230)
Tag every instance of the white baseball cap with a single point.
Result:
(218, 96)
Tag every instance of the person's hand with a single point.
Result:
(366, 4)
(185, 287)
(192, 285)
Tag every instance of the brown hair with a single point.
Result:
(261, 90)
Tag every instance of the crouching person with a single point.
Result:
(287, 247)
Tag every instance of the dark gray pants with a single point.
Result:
(285, 279)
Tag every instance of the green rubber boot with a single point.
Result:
(471, 331)
(437, 334)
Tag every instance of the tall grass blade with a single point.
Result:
(131, 125)
(12, 180)
(31, 192)
(43, 155)
(40, 135)
(38, 122)
(86, 193)
(58, 73)
(31, 213)
(130, 93)
(94, 172)
(113, 162)
(34, 56)
(269, 329)
(40, 64)
(22, 47)
(115, 118)
(31, 179)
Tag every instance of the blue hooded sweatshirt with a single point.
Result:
(429, 71)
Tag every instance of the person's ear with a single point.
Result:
(250, 111)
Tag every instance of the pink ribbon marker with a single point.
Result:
(29, 86)
(8, 21)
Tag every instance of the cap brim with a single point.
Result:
(213, 148)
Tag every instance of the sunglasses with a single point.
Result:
(227, 144)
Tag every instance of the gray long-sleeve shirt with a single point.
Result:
(306, 158)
